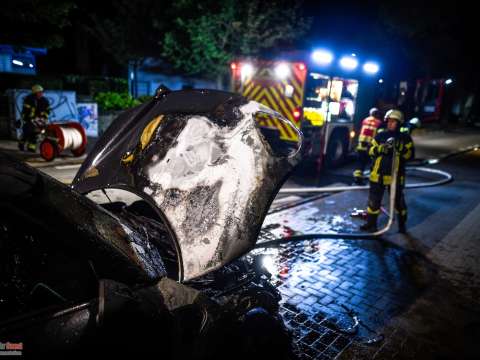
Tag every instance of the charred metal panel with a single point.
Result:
(203, 160)
(36, 205)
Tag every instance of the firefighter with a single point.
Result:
(35, 112)
(381, 150)
(368, 131)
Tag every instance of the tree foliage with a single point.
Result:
(128, 30)
(34, 22)
(206, 43)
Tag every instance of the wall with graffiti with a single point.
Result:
(88, 117)
(62, 103)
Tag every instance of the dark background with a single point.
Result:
(410, 39)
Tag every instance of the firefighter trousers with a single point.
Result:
(29, 135)
(363, 159)
(375, 197)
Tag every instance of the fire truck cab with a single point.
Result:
(322, 102)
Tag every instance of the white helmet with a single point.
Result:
(374, 111)
(394, 114)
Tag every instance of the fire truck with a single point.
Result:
(323, 100)
(424, 98)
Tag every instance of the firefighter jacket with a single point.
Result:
(34, 107)
(368, 132)
(383, 157)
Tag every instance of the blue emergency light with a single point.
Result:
(371, 68)
(322, 57)
(349, 62)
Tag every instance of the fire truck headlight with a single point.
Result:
(371, 68)
(282, 71)
(247, 71)
(348, 63)
(448, 81)
(322, 57)
(349, 108)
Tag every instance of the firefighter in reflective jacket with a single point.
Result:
(35, 112)
(381, 151)
(368, 131)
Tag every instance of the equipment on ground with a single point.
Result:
(63, 136)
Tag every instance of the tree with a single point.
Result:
(128, 30)
(206, 43)
(34, 22)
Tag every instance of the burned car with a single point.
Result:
(151, 234)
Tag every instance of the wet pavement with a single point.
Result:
(416, 295)
(325, 282)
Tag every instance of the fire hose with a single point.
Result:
(63, 136)
(356, 322)
(446, 178)
(73, 138)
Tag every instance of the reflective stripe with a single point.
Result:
(364, 138)
(358, 173)
(361, 147)
(374, 173)
(372, 150)
(408, 154)
(387, 179)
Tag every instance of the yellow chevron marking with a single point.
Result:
(286, 112)
(247, 89)
(267, 100)
(255, 92)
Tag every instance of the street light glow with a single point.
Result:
(322, 57)
(371, 68)
(282, 71)
(348, 63)
(17, 62)
(247, 71)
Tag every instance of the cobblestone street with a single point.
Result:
(416, 295)
(322, 281)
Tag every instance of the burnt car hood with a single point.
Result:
(203, 160)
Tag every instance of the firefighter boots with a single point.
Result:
(402, 220)
(371, 224)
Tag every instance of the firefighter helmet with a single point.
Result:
(37, 88)
(374, 112)
(394, 114)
